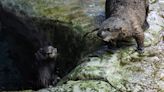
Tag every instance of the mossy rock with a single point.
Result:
(81, 86)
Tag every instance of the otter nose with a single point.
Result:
(99, 34)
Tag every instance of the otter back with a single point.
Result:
(124, 18)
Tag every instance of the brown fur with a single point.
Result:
(125, 18)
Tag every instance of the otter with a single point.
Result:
(124, 18)
(46, 58)
(32, 52)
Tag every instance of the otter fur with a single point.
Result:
(30, 50)
(124, 18)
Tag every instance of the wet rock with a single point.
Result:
(152, 1)
(81, 86)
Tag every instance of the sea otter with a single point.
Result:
(124, 18)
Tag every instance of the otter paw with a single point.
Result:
(140, 50)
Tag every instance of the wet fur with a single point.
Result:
(125, 18)
(38, 72)
(46, 73)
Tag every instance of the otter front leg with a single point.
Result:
(139, 37)
(45, 73)
(44, 76)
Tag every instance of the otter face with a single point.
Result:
(113, 28)
(47, 52)
(108, 34)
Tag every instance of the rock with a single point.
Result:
(152, 1)
(161, 4)
(82, 17)
(81, 86)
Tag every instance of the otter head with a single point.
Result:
(108, 34)
(112, 29)
(47, 52)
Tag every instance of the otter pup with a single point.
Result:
(124, 18)
(46, 58)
